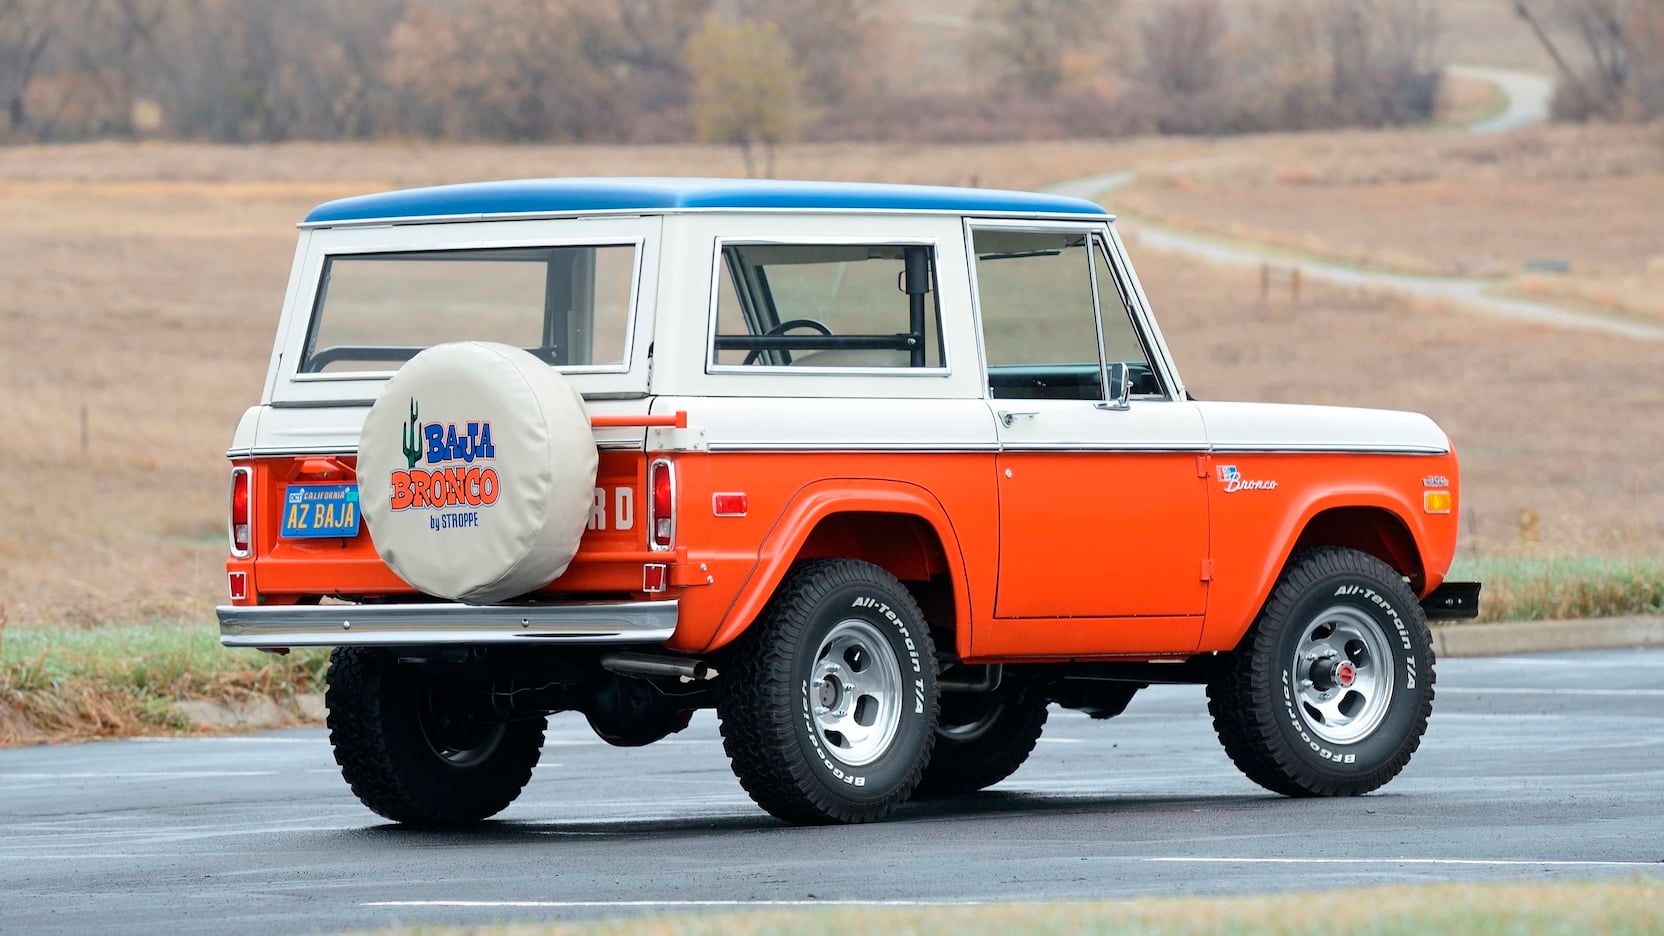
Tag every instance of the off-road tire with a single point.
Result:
(1003, 739)
(376, 729)
(766, 710)
(1254, 695)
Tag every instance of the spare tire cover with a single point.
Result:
(476, 471)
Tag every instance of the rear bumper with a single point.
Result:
(340, 625)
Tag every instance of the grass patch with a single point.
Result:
(60, 684)
(1627, 906)
(1543, 588)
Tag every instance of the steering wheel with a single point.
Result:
(784, 327)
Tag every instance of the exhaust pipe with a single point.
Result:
(649, 665)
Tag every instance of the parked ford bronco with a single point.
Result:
(877, 472)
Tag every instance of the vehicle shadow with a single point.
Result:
(750, 820)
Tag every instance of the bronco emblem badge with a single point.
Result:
(1234, 481)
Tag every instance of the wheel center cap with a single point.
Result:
(828, 692)
(1345, 675)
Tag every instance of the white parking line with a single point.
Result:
(609, 904)
(1479, 862)
(1472, 690)
(138, 775)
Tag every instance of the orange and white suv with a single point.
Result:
(878, 472)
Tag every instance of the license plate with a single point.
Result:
(319, 510)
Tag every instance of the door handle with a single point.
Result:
(1008, 417)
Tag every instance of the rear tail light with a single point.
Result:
(240, 495)
(661, 508)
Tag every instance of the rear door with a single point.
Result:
(1103, 511)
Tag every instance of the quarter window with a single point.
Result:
(827, 305)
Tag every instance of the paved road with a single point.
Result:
(1473, 292)
(1529, 95)
(1534, 766)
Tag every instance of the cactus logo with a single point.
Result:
(412, 438)
(448, 484)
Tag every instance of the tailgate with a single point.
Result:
(301, 511)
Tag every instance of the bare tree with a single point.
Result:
(745, 88)
(837, 45)
(1619, 47)
(1031, 40)
(27, 28)
(1182, 43)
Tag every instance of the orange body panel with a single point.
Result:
(1101, 534)
(1254, 531)
(1104, 554)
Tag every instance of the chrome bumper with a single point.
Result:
(345, 625)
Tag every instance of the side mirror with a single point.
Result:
(1119, 384)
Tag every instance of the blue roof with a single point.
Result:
(554, 196)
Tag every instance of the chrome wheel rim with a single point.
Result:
(855, 692)
(1343, 675)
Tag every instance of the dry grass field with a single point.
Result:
(142, 286)
(1442, 204)
(1618, 907)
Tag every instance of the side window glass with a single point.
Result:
(1121, 338)
(827, 305)
(1034, 290)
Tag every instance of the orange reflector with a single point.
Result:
(1436, 502)
(653, 576)
(730, 504)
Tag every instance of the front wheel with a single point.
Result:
(829, 709)
(1330, 691)
(415, 749)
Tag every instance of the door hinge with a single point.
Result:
(1201, 466)
(1207, 570)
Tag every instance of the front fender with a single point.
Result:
(1253, 539)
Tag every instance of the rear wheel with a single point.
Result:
(415, 750)
(1330, 691)
(829, 706)
(982, 738)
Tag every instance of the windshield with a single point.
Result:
(569, 306)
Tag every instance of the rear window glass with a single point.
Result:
(569, 306)
(827, 305)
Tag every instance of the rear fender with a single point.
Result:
(820, 500)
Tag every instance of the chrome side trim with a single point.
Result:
(1328, 448)
(282, 451)
(1144, 447)
(806, 447)
(619, 622)
(832, 447)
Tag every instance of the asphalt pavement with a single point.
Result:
(1534, 767)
